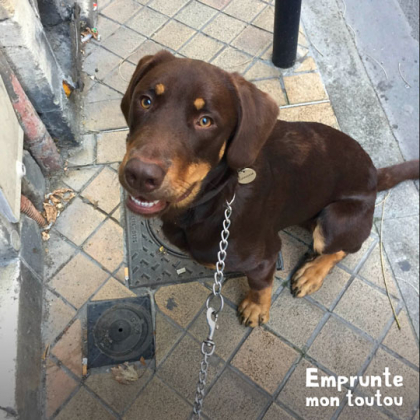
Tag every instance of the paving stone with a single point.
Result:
(274, 89)
(403, 341)
(277, 413)
(201, 47)
(294, 319)
(228, 335)
(57, 253)
(69, 348)
(56, 317)
(180, 369)
(333, 285)
(353, 260)
(106, 27)
(267, 55)
(259, 359)
(85, 154)
(148, 47)
(101, 92)
(174, 35)
(307, 65)
(365, 413)
(265, 20)
(104, 190)
(107, 245)
(83, 406)
(304, 88)
(294, 394)
(77, 178)
(168, 8)
(59, 386)
(365, 307)
(122, 10)
(111, 147)
(409, 391)
(113, 289)
(119, 78)
(302, 52)
(123, 42)
(120, 274)
(78, 221)
(158, 401)
(236, 289)
(217, 4)
(224, 28)
(302, 40)
(195, 15)
(78, 280)
(233, 398)
(117, 216)
(181, 302)
(244, 9)
(104, 116)
(372, 271)
(147, 21)
(322, 113)
(232, 60)
(252, 40)
(118, 396)
(340, 349)
(167, 334)
(300, 233)
(261, 70)
(292, 251)
(100, 63)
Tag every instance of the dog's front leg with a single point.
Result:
(255, 308)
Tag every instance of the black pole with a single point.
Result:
(286, 32)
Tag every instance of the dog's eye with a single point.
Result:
(205, 122)
(146, 102)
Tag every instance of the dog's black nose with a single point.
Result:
(142, 176)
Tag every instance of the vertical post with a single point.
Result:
(286, 32)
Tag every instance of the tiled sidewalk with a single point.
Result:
(346, 328)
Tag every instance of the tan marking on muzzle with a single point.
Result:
(199, 103)
(160, 89)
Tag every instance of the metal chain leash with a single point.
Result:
(208, 347)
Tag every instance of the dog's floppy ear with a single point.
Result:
(257, 115)
(144, 65)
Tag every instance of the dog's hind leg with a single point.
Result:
(341, 228)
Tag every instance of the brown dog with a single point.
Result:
(193, 126)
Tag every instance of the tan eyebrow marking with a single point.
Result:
(160, 89)
(199, 103)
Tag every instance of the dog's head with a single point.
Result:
(184, 117)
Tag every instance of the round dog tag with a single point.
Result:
(246, 176)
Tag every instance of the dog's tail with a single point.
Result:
(393, 175)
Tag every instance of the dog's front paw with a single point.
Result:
(255, 308)
(307, 280)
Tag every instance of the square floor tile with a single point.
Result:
(181, 302)
(57, 253)
(201, 47)
(147, 21)
(123, 42)
(233, 398)
(104, 191)
(224, 28)
(168, 8)
(112, 290)
(340, 349)
(83, 406)
(121, 10)
(148, 47)
(69, 348)
(100, 92)
(353, 260)
(107, 245)
(228, 335)
(118, 396)
(274, 89)
(111, 147)
(244, 9)
(85, 153)
(322, 113)
(232, 60)
(277, 413)
(217, 4)
(300, 233)
(265, 20)
(306, 65)
(174, 35)
(180, 369)
(106, 27)
(409, 391)
(293, 251)
(261, 70)
(365, 413)
(100, 63)
(236, 289)
(304, 88)
(253, 40)
(167, 334)
(78, 221)
(259, 359)
(294, 319)
(103, 116)
(78, 280)
(294, 395)
(195, 15)
(158, 401)
(120, 77)
(365, 307)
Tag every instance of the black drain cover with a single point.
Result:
(119, 331)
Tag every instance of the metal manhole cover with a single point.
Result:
(119, 331)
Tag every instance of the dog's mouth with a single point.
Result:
(144, 207)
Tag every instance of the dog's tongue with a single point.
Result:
(143, 206)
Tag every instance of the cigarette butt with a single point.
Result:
(181, 271)
(84, 367)
(126, 274)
